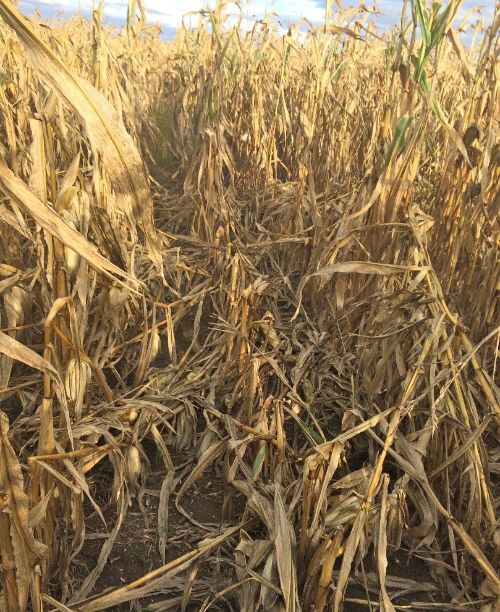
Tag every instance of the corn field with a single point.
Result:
(261, 260)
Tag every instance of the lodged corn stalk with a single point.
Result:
(299, 292)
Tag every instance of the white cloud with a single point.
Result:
(169, 13)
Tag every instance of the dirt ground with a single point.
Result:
(136, 551)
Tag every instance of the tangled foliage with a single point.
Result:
(267, 256)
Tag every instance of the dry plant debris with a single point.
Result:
(249, 313)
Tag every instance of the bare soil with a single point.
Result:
(136, 551)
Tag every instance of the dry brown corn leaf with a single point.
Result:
(285, 553)
(355, 267)
(385, 602)
(105, 131)
(46, 217)
(206, 459)
(18, 351)
(28, 551)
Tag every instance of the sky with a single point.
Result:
(168, 13)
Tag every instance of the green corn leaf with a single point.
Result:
(259, 460)
(423, 21)
(318, 438)
(438, 27)
(424, 81)
(399, 135)
(441, 115)
(338, 70)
